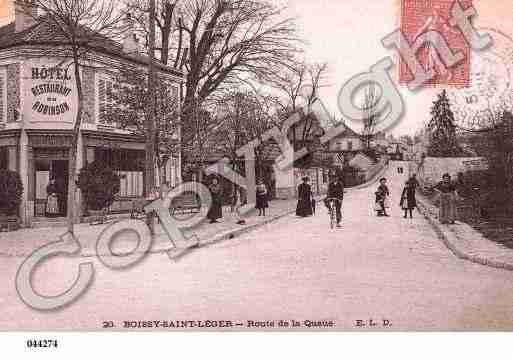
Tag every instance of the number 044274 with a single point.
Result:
(42, 343)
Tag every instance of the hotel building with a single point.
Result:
(38, 105)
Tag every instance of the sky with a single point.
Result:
(347, 35)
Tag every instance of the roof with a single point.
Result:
(44, 33)
(347, 132)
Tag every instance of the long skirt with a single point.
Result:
(447, 209)
(261, 201)
(216, 210)
(52, 205)
(304, 208)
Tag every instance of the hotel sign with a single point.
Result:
(50, 92)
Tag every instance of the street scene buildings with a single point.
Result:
(212, 139)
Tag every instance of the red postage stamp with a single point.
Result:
(421, 16)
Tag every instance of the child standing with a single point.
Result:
(381, 197)
(261, 198)
(408, 200)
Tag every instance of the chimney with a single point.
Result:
(130, 42)
(24, 15)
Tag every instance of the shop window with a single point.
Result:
(129, 164)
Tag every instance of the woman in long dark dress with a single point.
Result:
(447, 191)
(262, 198)
(408, 200)
(216, 208)
(304, 202)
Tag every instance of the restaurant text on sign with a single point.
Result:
(50, 92)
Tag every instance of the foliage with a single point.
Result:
(244, 117)
(11, 190)
(99, 185)
(199, 142)
(131, 110)
(219, 42)
(496, 144)
(441, 130)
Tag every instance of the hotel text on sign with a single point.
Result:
(50, 93)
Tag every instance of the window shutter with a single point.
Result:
(102, 99)
(109, 95)
(174, 93)
(2, 98)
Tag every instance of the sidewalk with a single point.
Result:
(23, 242)
(465, 242)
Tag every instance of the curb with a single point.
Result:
(231, 234)
(449, 239)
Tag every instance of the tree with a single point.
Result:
(441, 129)
(131, 111)
(244, 117)
(99, 185)
(496, 145)
(220, 42)
(370, 116)
(11, 190)
(301, 81)
(198, 142)
(300, 86)
(80, 26)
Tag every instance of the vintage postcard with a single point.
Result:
(251, 165)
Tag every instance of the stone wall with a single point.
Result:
(431, 169)
(88, 85)
(13, 92)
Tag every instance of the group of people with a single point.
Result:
(239, 199)
(408, 200)
(306, 203)
(447, 190)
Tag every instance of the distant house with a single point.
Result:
(398, 150)
(347, 141)
(361, 161)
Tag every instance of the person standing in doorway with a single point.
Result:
(52, 203)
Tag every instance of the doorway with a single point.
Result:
(51, 177)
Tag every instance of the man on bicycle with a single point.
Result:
(336, 191)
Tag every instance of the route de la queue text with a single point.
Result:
(206, 324)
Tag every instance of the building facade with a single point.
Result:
(38, 106)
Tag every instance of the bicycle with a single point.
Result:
(330, 201)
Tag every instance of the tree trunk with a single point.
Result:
(73, 150)
(150, 121)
